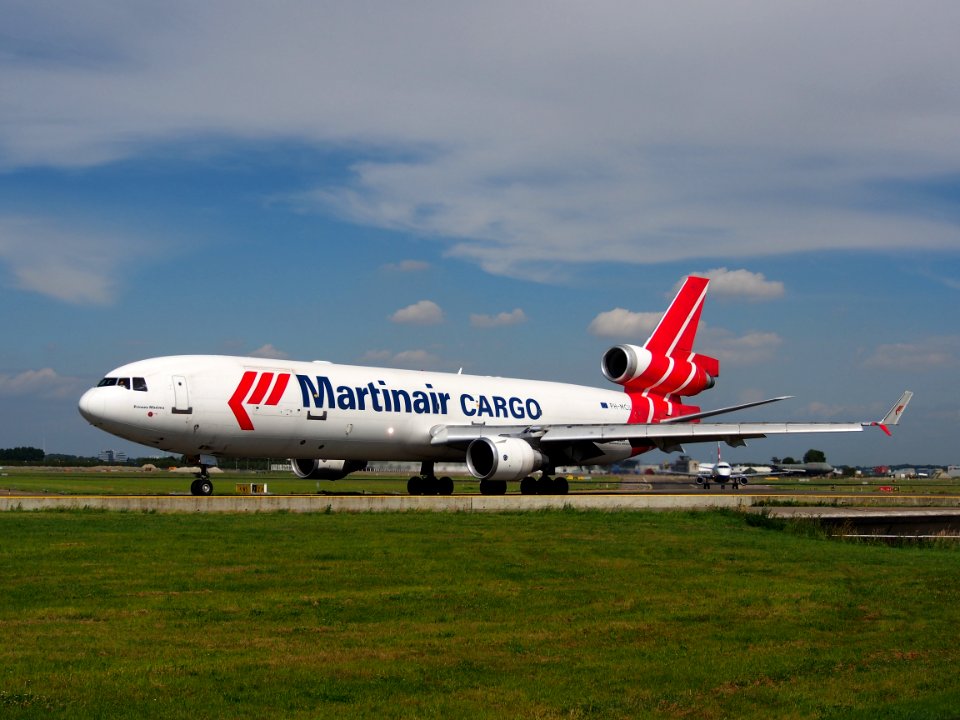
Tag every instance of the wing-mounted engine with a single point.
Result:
(310, 469)
(502, 458)
(640, 371)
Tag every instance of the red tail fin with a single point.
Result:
(678, 326)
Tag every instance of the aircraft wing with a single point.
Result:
(666, 436)
(656, 434)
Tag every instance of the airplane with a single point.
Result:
(332, 419)
(722, 473)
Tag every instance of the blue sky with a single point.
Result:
(504, 187)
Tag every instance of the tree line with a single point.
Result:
(36, 456)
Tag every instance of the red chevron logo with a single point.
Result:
(243, 395)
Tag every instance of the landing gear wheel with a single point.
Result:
(545, 485)
(528, 486)
(415, 485)
(493, 487)
(560, 486)
(445, 486)
(201, 486)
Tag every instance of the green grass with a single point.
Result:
(537, 615)
(867, 486)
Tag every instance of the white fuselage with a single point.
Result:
(250, 407)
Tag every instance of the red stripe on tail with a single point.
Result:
(677, 329)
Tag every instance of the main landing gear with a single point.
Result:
(202, 485)
(544, 485)
(723, 486)
(426, 483)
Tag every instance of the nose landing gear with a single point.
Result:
(202, 485)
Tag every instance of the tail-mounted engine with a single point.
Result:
(639, 370)
(496, 458)
(310, 469)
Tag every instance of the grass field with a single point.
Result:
(537, 615)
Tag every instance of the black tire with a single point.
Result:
(204, 487)
(560, 486)
(528, 486)
(545, 485)
(195, 487)
(446, 486)
(415, 485)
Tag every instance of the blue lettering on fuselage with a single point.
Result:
(320, 392)
(374, 396)
(499, 407)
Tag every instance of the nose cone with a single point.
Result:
(91, 406)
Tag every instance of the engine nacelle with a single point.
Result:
(637, 369)
(310, 469)
(492, 458)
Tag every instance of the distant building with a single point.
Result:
(112, 456)
(683, 464)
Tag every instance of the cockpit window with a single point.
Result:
(139, 383)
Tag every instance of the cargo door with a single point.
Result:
(181, 396)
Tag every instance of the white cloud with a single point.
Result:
(44, 383)
(407, 266)
(739, 283)
(415, 359)
(425, 312)
(932, 353)
(525, 135)
(828, 410)
(270, 352)
(750, 348)
(515, 317)
(625, 325)
(70, 264)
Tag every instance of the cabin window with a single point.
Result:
(139, 384)
(124, 382)
(107, 382)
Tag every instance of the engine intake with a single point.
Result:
(490, 458)
(637, 369)
(310, 469)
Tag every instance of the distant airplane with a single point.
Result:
(332, 419)
(722, 473)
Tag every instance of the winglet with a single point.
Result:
(893, 416)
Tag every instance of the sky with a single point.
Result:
(504, 187)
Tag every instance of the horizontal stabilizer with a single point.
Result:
(723, 410)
